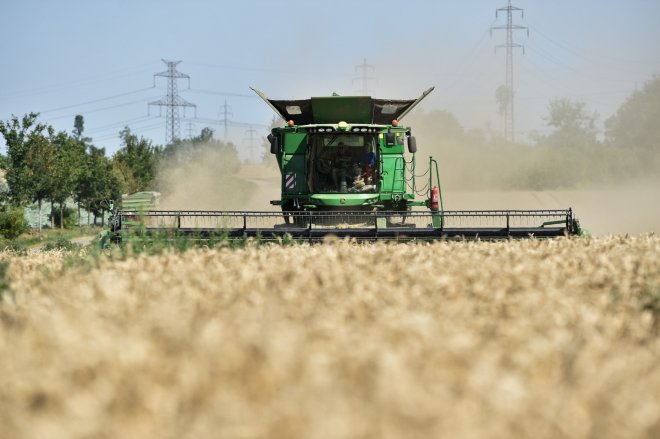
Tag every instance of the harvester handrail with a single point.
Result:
(313, 225)
(539, 212)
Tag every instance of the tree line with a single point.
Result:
(574, 151)
(47, 167)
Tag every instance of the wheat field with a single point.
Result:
(543, 339)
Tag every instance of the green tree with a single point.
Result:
(69, 162)
(98, 182)
(574, 126)
(202, 164)
(136, 160)
(81, 160)
(20, 135)
(78, 126)
(30, 160)
(635, 126)
(41, 168)
(183, 151)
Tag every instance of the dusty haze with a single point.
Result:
(611, 191)
(206, 181)
(629, 206)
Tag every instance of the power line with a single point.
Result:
(136, 124)
(221, 93)
(138, 129)
(114, 125)
(231, 123)
(172, 101)
(226, 66)
(52, 110)
(77, 83)
(506, 96)
(102, 109)
(268, 70)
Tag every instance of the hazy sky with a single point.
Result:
(97, 58)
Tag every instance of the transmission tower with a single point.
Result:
(172, 101)
(364, 77)
(251, 135)
(509, 124)
(225, 113)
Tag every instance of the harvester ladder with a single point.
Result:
(399, 179)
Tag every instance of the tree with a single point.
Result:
(573, 125)
(19, 134)
(82, 170)
(635, 125)
(202, 164)
(78, 126)
(69, 160)
(136, 160)
(183, 151)
(30, 160)
(98, 182)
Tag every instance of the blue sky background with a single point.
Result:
(97, 58)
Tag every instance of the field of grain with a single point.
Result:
(539, 339)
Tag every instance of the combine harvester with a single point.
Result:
(349, 169)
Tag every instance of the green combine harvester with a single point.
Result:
(349, 169)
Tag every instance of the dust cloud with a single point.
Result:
(611, 191)
(207, 179)
(478, 171)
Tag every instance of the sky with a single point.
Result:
(98, 59)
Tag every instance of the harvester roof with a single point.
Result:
(332, 109)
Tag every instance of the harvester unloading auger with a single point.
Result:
(348, 169)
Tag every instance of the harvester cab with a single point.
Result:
(344, 153)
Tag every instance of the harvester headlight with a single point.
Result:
(364, 130)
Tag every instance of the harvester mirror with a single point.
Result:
(274, 144)
(412, 145)
(390, 139)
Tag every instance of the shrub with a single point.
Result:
(12, 222)
(61, 243)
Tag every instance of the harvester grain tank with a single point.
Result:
(349, 168)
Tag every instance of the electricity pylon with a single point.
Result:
(509, 124)
(364, 77)
(172, 101)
